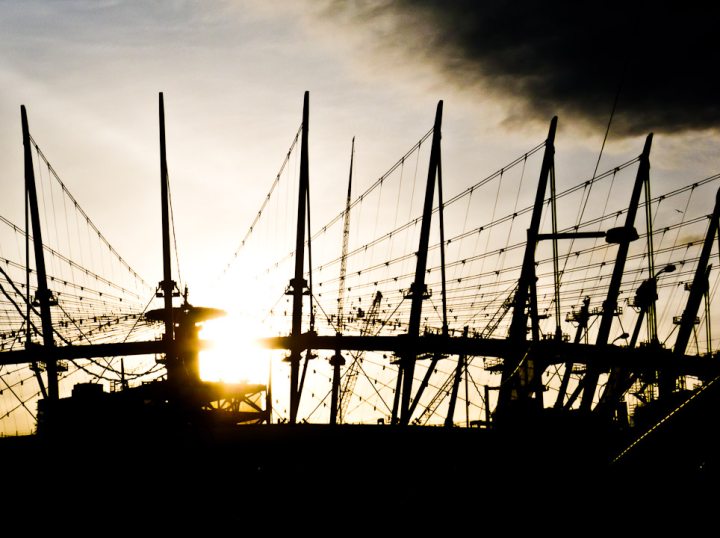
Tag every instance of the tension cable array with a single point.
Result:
(91, 303)
(476, 298)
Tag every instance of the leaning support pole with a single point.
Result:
(43, 295)
(445, 332)
(610, 304)
(699, 283)
(298, 284)
(522, 384)
(418, 289)
(518, 326)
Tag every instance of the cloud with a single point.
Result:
(548, 58)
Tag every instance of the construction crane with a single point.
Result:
(337, 360)
(346, 236)
(353, 371)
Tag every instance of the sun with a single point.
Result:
(236, 357)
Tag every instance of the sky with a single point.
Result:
(233, 74)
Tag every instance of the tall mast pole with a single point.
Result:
(167, 284)
(526, 292)
(518, 327)
(418, 289)
(699, 283)
(298, 284)
(43, 295)
(29, 327)
(610, 303)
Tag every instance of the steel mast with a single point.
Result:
(167, 285)
(418, 290)
(43, 295)
(527, 378)
(624, 236)
(699, 284)
(298, 285)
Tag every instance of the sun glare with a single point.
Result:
(235, 358)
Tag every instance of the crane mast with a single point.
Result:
(337, 360)
(346, 236)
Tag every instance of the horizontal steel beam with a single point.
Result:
(545, 352)
(571, 235)
(38, 353)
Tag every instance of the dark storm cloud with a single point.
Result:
(552, 57)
